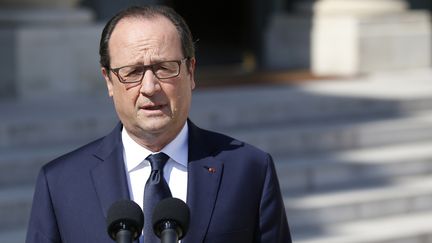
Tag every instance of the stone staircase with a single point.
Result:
(354, 157)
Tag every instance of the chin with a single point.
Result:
(156, 125)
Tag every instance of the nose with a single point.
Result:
(149, 84)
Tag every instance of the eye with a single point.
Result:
(131, 71)
(162, 67)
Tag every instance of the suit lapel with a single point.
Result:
(109, 178)
(204, 176)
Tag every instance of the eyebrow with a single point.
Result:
(157, 59)
(152, 61)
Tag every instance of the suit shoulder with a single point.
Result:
(74, 158)
(229, 143)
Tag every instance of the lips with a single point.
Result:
(152, 107)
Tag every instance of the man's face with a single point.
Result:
(154, 110)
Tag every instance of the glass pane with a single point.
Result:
(130, 74)
(166, 69)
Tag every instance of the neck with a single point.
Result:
(154, 142)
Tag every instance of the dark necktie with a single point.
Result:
(156, 189)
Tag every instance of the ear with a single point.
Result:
(108, 81)
(192, 63)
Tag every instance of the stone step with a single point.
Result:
(396, 229)
(387, 94)
(54, 121)
(352, 168)
(324, 137)
(349, 169)
(60, 119)
(233, 108)
(19, 166)
(13, 236)
(15, 205)
(397, 197)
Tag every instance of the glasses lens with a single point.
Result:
(131, 74)
(166, 69)
(162, 70)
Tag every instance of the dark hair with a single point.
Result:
(147, 11)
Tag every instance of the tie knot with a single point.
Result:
(158, 161)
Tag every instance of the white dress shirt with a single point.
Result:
(138, 169)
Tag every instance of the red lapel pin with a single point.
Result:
(210, 169)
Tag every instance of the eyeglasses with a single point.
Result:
(135, 73)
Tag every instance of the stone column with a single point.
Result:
(352, 37)
(49, 48)
(287, 38)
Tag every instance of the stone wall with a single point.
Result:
(48, 51)
(349, 37)
(362, 36)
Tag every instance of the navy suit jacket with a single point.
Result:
(237, 201)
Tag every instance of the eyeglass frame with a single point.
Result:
(146, 67)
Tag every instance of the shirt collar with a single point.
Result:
(134, 154)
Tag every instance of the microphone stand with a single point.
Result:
(169, 234)
(124, 236)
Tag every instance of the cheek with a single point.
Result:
(125, 98)
(183, 99)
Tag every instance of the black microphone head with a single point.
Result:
(174, 211)
(125, 215)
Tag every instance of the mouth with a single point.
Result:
(153, 107)
(156, 107)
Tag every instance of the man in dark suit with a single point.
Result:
(231, 188)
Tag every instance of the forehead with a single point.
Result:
(156, 36)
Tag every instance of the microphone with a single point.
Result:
(170, 220)
(125, 221)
